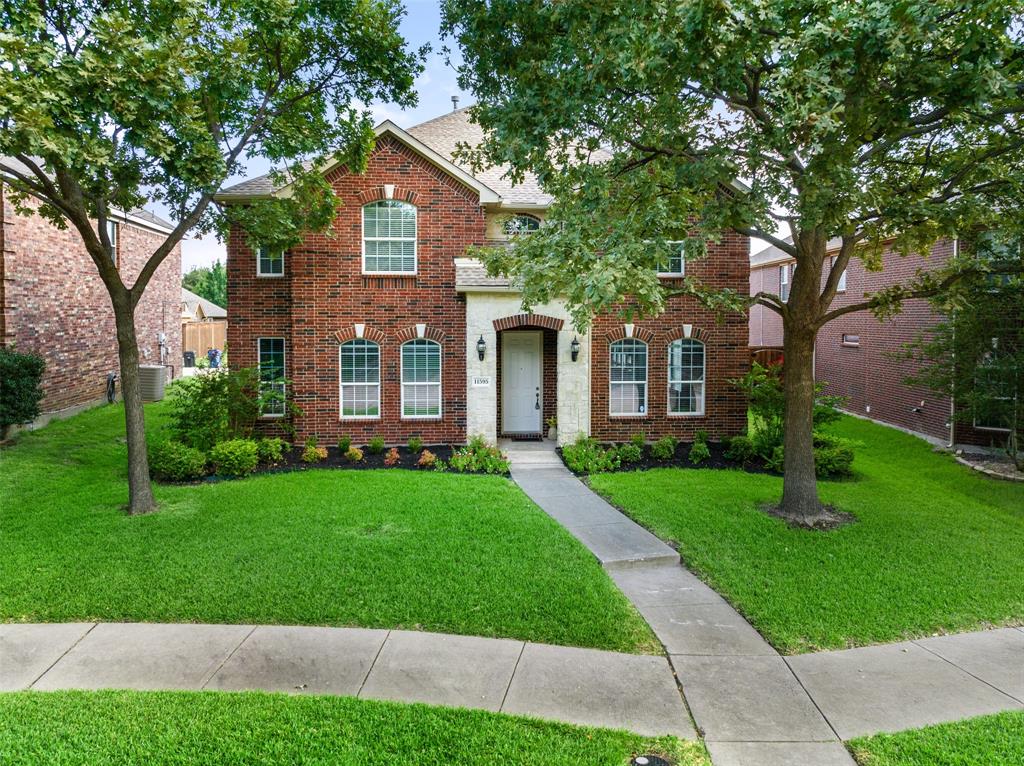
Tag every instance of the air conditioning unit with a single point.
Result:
(151, 380)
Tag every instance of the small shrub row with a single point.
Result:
(833, 457)
(478, 456)
(585, 455)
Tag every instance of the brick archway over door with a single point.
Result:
(528, 321)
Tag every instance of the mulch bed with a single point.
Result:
(680, 460)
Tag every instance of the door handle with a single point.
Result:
(536, 403)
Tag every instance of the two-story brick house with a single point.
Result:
(385, 327)
(859, 357)
(53, 302)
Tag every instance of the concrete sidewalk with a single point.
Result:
(580, 686)
(753, 706)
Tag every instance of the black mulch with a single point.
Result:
(680, 460)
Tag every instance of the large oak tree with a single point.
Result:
(861, 123)
(107, 104)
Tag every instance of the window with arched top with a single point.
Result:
(521, 223)
(627, 393)
(421, 379)
(389, 237)
(359, 370)
(686, 377)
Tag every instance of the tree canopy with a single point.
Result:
(210, 282)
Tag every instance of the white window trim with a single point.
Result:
(784, 281)
(413, 239)
(341, 388)
(268, 275)
(513, 216)
(703, 382)
(841, 282)
(114, 235)
(646, 382)
(439, 384)
(284, 365)
(682, 261)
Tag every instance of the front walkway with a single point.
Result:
(580, 686)
(755, 707)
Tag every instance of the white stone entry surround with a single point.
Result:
(573, 378)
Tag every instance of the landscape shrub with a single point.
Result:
(235, 457)
(392, 458)
(664, 448)
(701, 436)
(376, 445)
(833, 457)
(699, 452)
(585, 455)
(354, 455)
(740, 448)
(478, 456)
(270, 450)
(174, 461)
(313, 452)
(639, 439)
(20, 388)
(415, 444)
(629, 453)
(427, 459)
(344, 443)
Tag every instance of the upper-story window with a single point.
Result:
(112, 232)
(841, 284)
(360, 379)
(686, 377)
(269, 262)
(520, 223)
(675, 266)
(627, 394)
(389, 237)
(784, 281)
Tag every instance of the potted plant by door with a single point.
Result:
(552, 428)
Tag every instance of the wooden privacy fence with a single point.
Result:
(766, 356)
(200, 337)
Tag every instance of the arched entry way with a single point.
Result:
(527, 370)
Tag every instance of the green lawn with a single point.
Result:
(991, 740)
(937, 546)
(439, 552)
(211, 728)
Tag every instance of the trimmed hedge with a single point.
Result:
(20, 387)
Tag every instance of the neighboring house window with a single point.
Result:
(994, 383)
(628, 384)
(360, 379)
(112, 231)
(675, 266)
(841, 284)
(686, 377)
(269, 263)
(272, 386)
(851, 341)
(389, 237)
(784, 281)
(421, 379)
(520, 224)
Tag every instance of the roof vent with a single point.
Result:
(455, 103)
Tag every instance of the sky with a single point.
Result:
(435, 87)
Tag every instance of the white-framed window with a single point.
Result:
(421, 379)
(389, 237)
(520, 223)
(995, 411)
(272, 381)
(686, 366)
(784, 281)
(627, 393)
(113, 230)
(675, 266)
(359, 362)
(841, 284)
(851, 340)
(269, 262)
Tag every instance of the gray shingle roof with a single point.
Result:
(470, 273)
(210, 309)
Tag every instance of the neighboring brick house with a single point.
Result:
(855, 354)
(53, 303)
(385, 326)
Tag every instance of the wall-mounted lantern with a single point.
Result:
(481, 348)
(574, 348)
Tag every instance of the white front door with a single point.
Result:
(521, 397)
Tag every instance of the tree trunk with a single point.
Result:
(799, 484)
(140, 490)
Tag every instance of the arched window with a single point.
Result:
(627, 394)
(421, 379)
(389, 237)
(521, 223)
(686, 377)
(359, 364)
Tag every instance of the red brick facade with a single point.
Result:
(864, 368)
(54, 304)
(726, 356)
